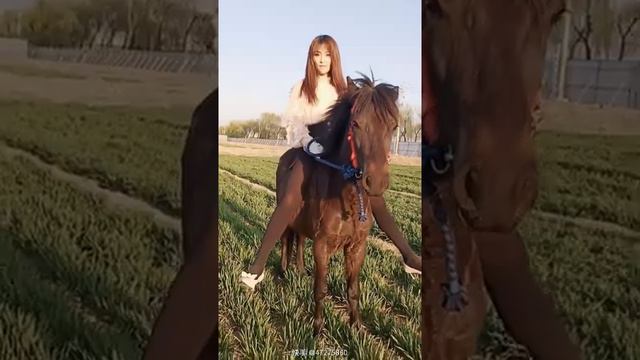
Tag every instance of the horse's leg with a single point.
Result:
(321, 260)
(532, 320)
(285, 250)
(353, 259)
(300, 252)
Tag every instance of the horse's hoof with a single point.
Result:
(356, 324)
(317, 327)
(282, 275)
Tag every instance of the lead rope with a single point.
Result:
(455, 297)
(363, 213)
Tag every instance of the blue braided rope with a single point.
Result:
(363, 213)
(455, 296)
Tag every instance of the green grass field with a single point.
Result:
(78, 280)
(82, 280)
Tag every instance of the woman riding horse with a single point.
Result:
(309, 100)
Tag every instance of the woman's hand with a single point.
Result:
(315, 147)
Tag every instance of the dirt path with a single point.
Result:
(113, 199)
(590, 119)
(257, 150)
(100, 85)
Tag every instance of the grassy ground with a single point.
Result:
(71, 268)
(78, 280)
(278, 317)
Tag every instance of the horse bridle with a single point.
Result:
(350, 171)
(436, 163)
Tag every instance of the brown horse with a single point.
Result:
(336, 211)
(482, 69)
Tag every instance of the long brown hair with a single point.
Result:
(311, 72)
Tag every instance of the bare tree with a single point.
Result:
(628, 17)
(583, 30)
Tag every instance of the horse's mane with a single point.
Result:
(367, 96)
(379, 98)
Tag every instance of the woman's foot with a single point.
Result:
(251, 280)
(413, 265)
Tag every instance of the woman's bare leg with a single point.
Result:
(281, 217)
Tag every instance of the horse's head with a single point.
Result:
(368, 115)
(485, 61)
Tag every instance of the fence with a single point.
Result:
(413, 149)
(147, 60)
(12, 49)
(604, 82)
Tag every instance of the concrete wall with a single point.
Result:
(12, 49)
(413, 149)
(605, 82)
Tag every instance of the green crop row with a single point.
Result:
(77, 279)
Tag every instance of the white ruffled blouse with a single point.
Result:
(300, 113)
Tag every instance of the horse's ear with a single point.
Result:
(433, 6)
(351, 85)
(439, 7)
(396, 93)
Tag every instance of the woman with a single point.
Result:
(309, 99)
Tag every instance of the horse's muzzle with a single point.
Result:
(375, 185)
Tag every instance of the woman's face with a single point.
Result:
(322, 59)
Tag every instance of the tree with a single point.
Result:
(161, 25)
(53, 24)
(407, 128)
(269, 126)
(584, 29)
(10, 24)
(627, 18)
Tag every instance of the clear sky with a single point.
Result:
(263, 48)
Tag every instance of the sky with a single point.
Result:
(263, 48)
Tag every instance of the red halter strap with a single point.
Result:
(352, 145)
(429, 106)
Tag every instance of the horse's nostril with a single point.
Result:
(367, 181)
